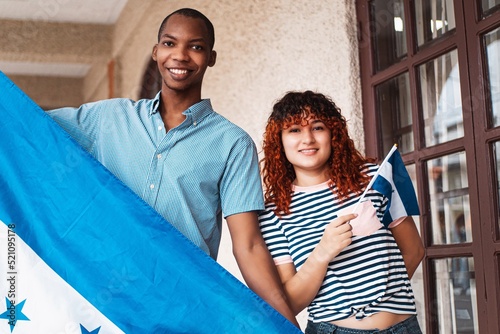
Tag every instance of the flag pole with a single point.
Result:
(370, 184)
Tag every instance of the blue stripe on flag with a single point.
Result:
(107, 243)
(394, 182)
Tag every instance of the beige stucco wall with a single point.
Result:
(265, 48)
(66, 91)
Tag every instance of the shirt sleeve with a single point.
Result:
(274, 237)
(397, 222)
(241, 187)
(81, 123)
(278, 261)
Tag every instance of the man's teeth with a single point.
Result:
(177, 71)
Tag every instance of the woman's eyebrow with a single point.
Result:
(315, 121)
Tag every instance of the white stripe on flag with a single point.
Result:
(392, 180)
(50, 304)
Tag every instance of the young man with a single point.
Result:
(188, 162)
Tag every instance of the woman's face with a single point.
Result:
(308, 147)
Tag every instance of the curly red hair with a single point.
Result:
(346, 163)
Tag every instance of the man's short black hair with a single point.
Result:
(193, 13)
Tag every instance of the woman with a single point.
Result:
(353, 280)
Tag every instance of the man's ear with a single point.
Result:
(153, 53)
(213, 58)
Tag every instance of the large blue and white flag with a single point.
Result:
(392, 181)
(81, 253)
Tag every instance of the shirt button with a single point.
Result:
(151, 186)
(159, 156)
(160, 128)
(194, 123)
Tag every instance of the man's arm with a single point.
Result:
(255, 262)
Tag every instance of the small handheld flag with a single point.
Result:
(392, 181)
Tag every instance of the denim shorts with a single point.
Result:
(407, 326)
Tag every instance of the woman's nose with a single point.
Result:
(307, 137)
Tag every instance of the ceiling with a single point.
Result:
(75, 11)
(65, 11)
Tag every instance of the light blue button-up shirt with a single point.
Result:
(191, 175)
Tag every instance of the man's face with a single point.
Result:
(183, 53)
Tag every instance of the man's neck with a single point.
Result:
(173, 104)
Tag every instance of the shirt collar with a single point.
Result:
(194, 113)
(198, 111)
(155, 104)
(309, 189)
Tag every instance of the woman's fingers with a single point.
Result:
(341, 220)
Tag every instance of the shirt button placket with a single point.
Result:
(154, 179)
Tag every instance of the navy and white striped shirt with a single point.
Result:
(367, 277)
(192, 174)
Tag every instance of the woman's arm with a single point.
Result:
(410, 244)
(302, 286)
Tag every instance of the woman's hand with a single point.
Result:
(337, 236)
(302, 286)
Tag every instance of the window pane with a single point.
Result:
(394, 108)
(412, 172)
(417, 284)
(388, 32)
(455, 295)
(496, 153)
(489, 4)
(433, 19)
(492, 45)
(417, 281)
(449, 199)
(441, 99)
